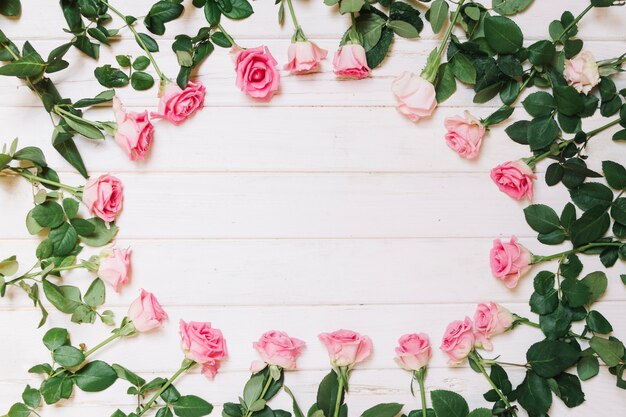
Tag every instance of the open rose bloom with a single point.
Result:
(514, 178)
(146, 313)
(350, 62)
(346, 348)
(509, 261)
(582, 72)
(257, 75)
(464, 135)
(277, 348)
(103, 196)
(458, 341)
(413, 352)
(134, 131)
(415, 96)
(178, 105)
(304, 57)
(490, 320)
(203, 344)
(114, 267)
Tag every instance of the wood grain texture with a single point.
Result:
(319, 210)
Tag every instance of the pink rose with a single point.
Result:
(464, 135)
(345, 347)
(134, 131)
(204, 345)
(414, 95)
(178, 105)
(413, 352)
(114, 267)
(103, 196)
(514, 178)
(509, 261)
(277, 348)
(458, 341)
(146, 313)
(304, 57)
(350, 61)
(582, 72)
(490, 320)
(257, 75)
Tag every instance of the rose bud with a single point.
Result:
(490, 320)
(146, 313)
(178, 105)
(257, 75)
(203, 344)
(103, 196)
(278, 349)
(304, 57)
(514, 178)
(413, 352)
(458, 341)
(582, 72)
(350, 61)
(464, 135)
(415, 96)
(134, 131)
(345, 347)
(114, 267)
(509, 261)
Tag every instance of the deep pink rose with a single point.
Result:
(134, 131)
(345, 347)
(582, 72)
(178, 105)
(509, 261)
(277, 348)
(413, 352)
(257, 75)
(114, 267)
(414, 95)
(304, 57)
(146, 313)
(464, 135)
(350, 61)
(204, 345)
(458, 341)
(490, 320)
(514, 178)
(104, 196)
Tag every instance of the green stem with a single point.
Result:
(524, 320)
(230, 38)
(296, 25)
(574, 22)
(139, 40)
(538, 259)
(430, 72)
(85, 265)
(103, 344)
(62, 112)
(419, 375)
(479, 364)
(339, 393)
(491, 362)
(33, 178)
(185, 366)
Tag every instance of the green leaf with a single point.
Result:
(70, 206)
(31, 153)
(438, 15)
(56, 388)
(503, 35)
(83, 128)
(370, 26)
(518, 131)
(549, 358)
(539, 104)
(480, 412)
(297, 411)
(18, 410)
(592, 225)
(96, 376)
(598, 323)
(542, 132)
(129, 376)
(610, 351)
(377, 54)
(253, 388)
(576, 292)
(403, 11)
(588, 367)
(111, 77)
(542, 218)
(31, 397)
(83, 227)
(242, 9)
(383, 410)
(449, 404)
(102, 235)
(192, 406)
(327, 394)
(568, 100)
(49, 214)
(592, 194)
(141, 63)
(57, 297)
(463, 69)
(162, 12)
(510, 7)
(68, 356)
(402, 28)
(541, 53)
(148, 41)
(83, 44)
(64, 239)
(221, 40)
(11, 8)
(95, 294)
(446, 83)
(171, 395)
(123, 60)
(615, 174)
(569, 390)
(597, 283)
(618, 210)
(55, 338)
(30, 65)
(141, 81)
(65, 146)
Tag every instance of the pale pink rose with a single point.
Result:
(114, 267)
(146, 313)
(103, 196)
(415, 96)
(509, 261)
(464, 135)
(413, 352)
(458, 341)
(134, 131)
(490, 320)
(345, 347)
(277, 348)
(257, 75)
(178, 105)
(350, 61)
(582, 72)
(514, 178)
(304, 57)
(203, 344)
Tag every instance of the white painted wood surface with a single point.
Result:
(319, 210)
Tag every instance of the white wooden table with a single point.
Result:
(322, 209)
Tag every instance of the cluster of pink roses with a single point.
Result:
(463, 336)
